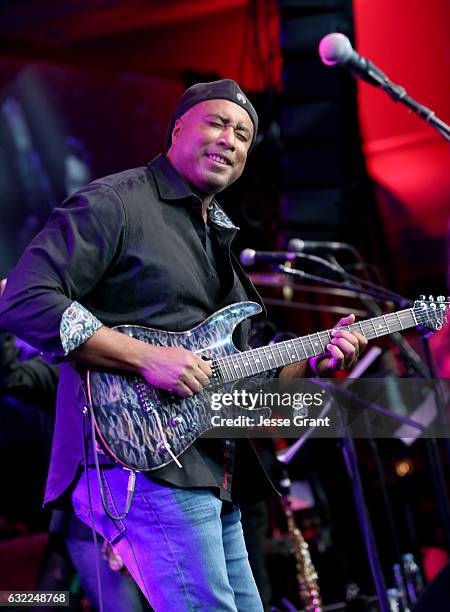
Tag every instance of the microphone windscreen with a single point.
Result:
(247, 257)
(335, 48)
(296, 244)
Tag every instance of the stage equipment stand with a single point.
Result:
(348, 446)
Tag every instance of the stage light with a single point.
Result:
(404, 467)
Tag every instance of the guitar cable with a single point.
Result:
(130, 494)
(131, 478)
(91, 514)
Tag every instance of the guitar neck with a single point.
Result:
(255, 361)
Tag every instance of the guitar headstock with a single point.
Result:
(432, 313)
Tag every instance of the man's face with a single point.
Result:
(210, 143)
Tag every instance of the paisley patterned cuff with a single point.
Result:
(77, 326)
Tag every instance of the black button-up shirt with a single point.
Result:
(132, 248)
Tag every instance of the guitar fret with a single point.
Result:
(374, 328)
(379, 325)
(249, 363)
(286, 351)
(272, 357)
(268, 363)
(244, 365)
(391, 324)
(303, 347)
(328, 337)
(223, 365)
(277, 345)
(399, 320)
(237, 367)
(361, 328)
(367, 333)
(257, 362)
(217, 370)
(321, 343)
(410, 318)
(230, 364)
(295, 351)
(313, 344)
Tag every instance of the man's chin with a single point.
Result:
(216, 184)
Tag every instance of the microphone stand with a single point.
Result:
(399, 94)
(376, 291)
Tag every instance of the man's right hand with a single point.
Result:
(176, 369)
(171, 368)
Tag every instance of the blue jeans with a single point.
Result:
(119, 592)
(184, 552)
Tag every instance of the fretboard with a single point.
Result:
(255, 361)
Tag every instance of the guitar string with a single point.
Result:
(285, 344)
(419, 317)
(289, 344)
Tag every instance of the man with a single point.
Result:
(151, 246)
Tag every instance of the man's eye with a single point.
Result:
(215, 124)
(242, 136)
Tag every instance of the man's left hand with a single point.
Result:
(342, 352)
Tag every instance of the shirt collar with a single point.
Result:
(172, 186)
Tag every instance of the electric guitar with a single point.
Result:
(144, 428)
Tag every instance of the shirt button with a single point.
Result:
(227, 442)
(213, 275)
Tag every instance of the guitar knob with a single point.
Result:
(162, 449)
(175, 421)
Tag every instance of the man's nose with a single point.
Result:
(227, 137)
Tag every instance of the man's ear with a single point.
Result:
(176, 129)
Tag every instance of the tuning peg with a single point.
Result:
(430, 298)
(440, 298)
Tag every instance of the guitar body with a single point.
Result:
(143, 427)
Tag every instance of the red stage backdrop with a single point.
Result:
(408, 160)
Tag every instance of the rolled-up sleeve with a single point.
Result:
(77, 326)
(42, 302)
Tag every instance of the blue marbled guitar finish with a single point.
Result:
(145, 428)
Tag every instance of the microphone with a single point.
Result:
(248, 257)
(310, 246)
(336, 48)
